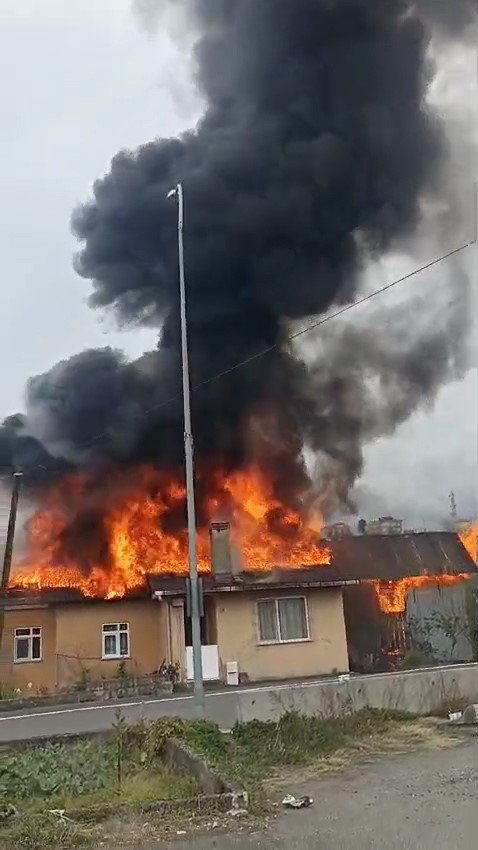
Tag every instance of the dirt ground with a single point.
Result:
(421, 800)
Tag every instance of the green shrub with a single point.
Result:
(296, 738)
(44, 771)
(9, 692)
(202, 735)
(416, 658)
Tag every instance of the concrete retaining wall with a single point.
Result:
(106, 689)
(185, 760)
(428, 691)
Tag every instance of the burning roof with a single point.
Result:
(393, 563)
(393, 557)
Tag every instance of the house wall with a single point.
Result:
(238, 636)
(372, 634)
(29, 676)
(440, 612)
(72, 642)
(79, 638)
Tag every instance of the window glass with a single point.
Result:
(268, 620)
(21, 651)
(110, 645)
(36, 648)
(123, 643)
(292, 619)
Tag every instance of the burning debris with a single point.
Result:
(294, 176)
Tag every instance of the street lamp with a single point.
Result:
(177, 193)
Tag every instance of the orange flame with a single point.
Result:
(392, 595)
(134, 519)
(468, 534)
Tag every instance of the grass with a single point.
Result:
(255, 751)
(416, 658)
(85, 777)
(42, 831)
(77, 774)
(260, 751)
(81, 778)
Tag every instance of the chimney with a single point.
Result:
(221, 562)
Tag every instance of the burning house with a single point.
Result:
(267, 624)
(368, 601)
(415, 591)
(295, 177)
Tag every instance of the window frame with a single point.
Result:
(279, 639)
(33, 632)
(117, 632)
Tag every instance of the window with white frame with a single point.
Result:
(27, 645)
(115, 640)
(283, 620)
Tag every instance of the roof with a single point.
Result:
(395, 556)
(357, 558)
(277, 578)
(15, 598)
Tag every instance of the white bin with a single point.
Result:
(232, 673)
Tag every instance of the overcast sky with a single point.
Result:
(80, 81)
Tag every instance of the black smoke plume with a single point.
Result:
(314, 151)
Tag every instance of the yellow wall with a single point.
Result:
(72, 639)
(238, 640)
(38, 674)
(72, 642)
(79, 638)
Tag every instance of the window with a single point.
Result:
(283, 620)
(116, 640)
(27, 645)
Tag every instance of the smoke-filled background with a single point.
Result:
(318, 152)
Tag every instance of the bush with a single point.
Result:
(44, 771)
(416, 658)
(9, 692)
(202, 735)
(296, 738)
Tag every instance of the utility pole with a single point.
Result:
(12, 519)
(177, 192)
(7, 558)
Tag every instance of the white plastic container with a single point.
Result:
(232, 673)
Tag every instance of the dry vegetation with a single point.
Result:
(88, 779)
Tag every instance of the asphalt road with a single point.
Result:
(221, 707)
(98, 717)
(422, 801)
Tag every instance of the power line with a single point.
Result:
(337, 313)
(253, 357)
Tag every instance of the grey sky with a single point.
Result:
(80, 81)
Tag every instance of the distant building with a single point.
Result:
(336, 531)
(384, 525)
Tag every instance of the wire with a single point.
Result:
(337, 313)
(318, 323)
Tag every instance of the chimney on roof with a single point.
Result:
(221, 561)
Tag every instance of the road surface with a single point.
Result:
(222, 706)
(422, 801)
(99, 717)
